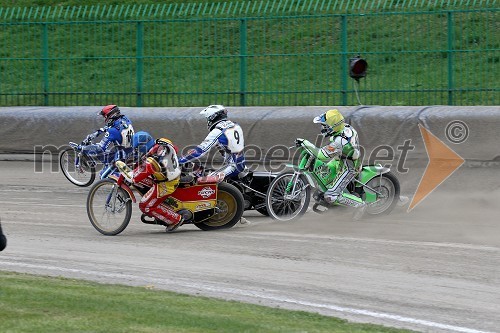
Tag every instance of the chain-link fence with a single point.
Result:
(271, 52)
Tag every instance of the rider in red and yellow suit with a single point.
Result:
(161, 164)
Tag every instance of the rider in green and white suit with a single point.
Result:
(344, 146)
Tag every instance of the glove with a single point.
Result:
(87, 140)
(124, 170)
(219, 176)
(298, 142)
(90, 137)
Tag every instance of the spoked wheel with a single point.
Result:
(82, 175)
(109, 207)
(387, 194)
(229, 209)
(288, 196)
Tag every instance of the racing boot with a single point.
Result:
(174, 225)
(319, 197)
(171, 218)
(320, 206)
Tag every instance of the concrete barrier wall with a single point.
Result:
(23, 128)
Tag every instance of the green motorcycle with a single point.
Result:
(289, 194)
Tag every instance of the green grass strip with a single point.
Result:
(30, 303)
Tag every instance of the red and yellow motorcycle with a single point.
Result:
(204, 202)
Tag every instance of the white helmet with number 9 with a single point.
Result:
(214, 114)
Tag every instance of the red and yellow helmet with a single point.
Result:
(165, 142)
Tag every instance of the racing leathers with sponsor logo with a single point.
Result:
(117, 141)
(160, 162)
(227, 137)
(344, 146)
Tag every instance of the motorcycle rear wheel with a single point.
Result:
(82, 176)
(388, 185)
(230, 206)
(281, 208)
(109, 207)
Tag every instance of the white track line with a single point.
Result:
(240, 292)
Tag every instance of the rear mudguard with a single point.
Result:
(125, 187)
(368, 173)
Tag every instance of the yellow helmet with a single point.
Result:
(332, 121)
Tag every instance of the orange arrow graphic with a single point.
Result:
(443, 161)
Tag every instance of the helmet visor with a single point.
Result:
(320, 119)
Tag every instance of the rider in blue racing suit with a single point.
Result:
(227, 136)
(117, 142)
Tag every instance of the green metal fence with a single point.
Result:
(274, 52)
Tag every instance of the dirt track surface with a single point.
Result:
(435, 269)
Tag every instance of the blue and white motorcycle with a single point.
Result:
(79, 164)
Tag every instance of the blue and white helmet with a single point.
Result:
(214, 114)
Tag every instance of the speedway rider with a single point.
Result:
(156, 159)
(344, 146)
(227, 136)
(118, 130)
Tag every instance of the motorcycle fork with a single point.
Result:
(112, 198)
(77, 162)
(80, 166)
(290, 191)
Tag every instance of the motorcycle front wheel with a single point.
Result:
(230, 206)
(109, 207)
(82, 175)
(285, 206)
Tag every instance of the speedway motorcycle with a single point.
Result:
(203, 201)
(80, 168)
(289, 195)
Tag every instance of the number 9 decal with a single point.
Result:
(237, 137)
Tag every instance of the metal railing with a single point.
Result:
(274, 52)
